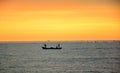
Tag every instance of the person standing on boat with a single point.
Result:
(58, 45)
(45, 45)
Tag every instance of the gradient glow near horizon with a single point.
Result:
(30, 20)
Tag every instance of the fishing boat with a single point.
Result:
(51, 48)
(57, 47)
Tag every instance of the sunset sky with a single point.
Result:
(39, 20)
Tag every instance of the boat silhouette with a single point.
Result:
(57, 47)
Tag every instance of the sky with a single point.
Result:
(40, 20)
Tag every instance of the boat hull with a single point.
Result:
(51, 48)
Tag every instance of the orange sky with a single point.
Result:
(59, 20)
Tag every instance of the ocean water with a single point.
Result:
(75, 57)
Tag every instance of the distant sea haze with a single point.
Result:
(74, 57)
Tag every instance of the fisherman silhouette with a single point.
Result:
(58, 45)
(45, 45)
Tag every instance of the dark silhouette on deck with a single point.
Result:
(57, 47)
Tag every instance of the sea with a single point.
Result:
(74, 57)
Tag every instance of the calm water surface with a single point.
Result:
(75, 57)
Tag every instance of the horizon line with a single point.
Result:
(56, 40)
